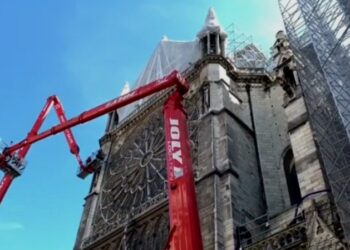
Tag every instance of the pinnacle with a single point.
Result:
(126, 88)
(211, 19)
(211, 24)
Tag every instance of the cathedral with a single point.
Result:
(259, 178)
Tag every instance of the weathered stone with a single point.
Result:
(252, 156)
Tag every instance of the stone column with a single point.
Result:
(217, 44)
(208, 43)
(307, 164)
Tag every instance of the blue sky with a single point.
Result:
(83, 51)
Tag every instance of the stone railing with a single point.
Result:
(286, 239)
(133, 215)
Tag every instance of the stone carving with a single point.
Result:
(291, 238)
(308, 231)
(135, 175)
(193, 110)
(285, 66)
(150, 234)
(135, 179)
(321, 236)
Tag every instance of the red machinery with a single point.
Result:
(184, 220)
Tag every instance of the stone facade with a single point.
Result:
(255, 161)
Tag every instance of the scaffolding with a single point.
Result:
(319, 34)
(291, 231)
(242, 50)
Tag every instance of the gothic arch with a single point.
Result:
(291, 176)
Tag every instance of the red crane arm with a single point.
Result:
(9, 153)
(185, 231)
(73, 146)
(172, 79)
(52, 101)
(12, 158)
(38, 123)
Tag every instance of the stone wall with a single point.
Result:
(236, 167)
(272, 139)
(307, 164)
(229, 187)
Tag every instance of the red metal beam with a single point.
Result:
(20, 149)
(172, 79)
(183, 212)
(185, 231)
(5, 185)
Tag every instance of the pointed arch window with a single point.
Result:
(291, 177)
(205, 45)
(113, 120)
(212, 43)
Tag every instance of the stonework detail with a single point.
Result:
(254, 156)
(135, 179)
(321, 236)
(135, 176)
(150, 234)
(285, 66)
(313, 228)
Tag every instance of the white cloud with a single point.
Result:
(9, 226)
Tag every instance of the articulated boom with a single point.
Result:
(184, 221)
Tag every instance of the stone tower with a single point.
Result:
(259, 180)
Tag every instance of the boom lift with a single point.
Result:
(184, 220)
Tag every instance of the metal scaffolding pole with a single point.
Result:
(319, 34)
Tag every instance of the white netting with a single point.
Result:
(242, 51)
(180, 55)
(249, 57)
(168, 56)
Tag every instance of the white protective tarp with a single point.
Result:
(168, 56)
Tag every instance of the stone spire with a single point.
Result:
(212, 36)
(211, 24)
(126, 88)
